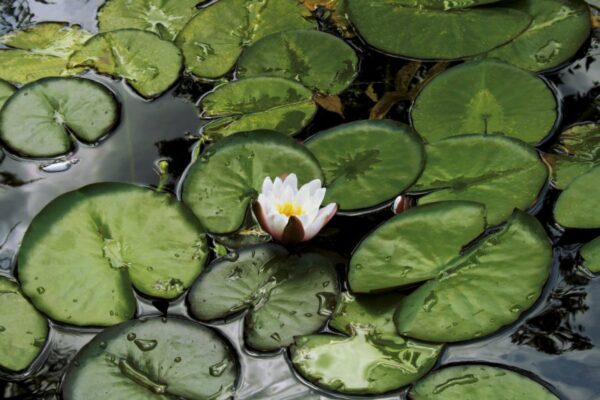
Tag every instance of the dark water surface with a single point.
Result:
(556, 341)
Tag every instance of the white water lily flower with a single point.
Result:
(290, 215)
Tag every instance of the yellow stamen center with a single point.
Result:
(290, 209)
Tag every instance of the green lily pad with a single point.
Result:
(558, 30)
(591, 255)
(476, 382)
(224, 182)
(6, 90)
(275, 104)
(500, 172)
(40, 51)
(577, 206)
(365, 363)
(367, 163)
(23, 331)
(285, 295)
(41, 118)
(376, 312)
(157, 358)
(421, 33)
(214, 39)
(415, 245)
(482, 290)
(148, 63)
(576, 153)
(85, 252)
(485, 97)
(318, 60)
(166, 18)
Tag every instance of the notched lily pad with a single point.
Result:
(577, 152)
(500, 172)
(268, 103)
(485, 288)
(6, 90)
(166, 18)
(285, 295)
(40, 51)
(222, 184)
(375, 312)
(367, 163)
(318, 60)
(577, 206)
(485, 97)
(591, 255)
(558, 30)
(214, 39)
(84, 253)
(23, 330)
(147, 62)
(155, 358)
(436, 34)
(476, 382)
(366, 363)
(40, 119)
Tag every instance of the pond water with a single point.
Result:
(557, 341)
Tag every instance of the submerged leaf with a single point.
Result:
(375, 312)
(591, 255)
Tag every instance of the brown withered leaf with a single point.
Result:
(385, 104)
(330, 103)
(596, 21)
(371, 93)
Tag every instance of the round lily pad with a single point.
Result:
(6, 90)
(367, 163)
(40, 51)
(23, 330)
(41, 118)
(214, 39)
(148, 63)
(500, 172)
(318, 60)
(482, 290)
(476, 382)
(425, 33)
(558, 30)
(275, 104)
(485, 97)
(365, 363)
(285, 295)
(415, 245)
(155, 358)
(88, 249)
(166, 18)
(591, 255)
(576, 152)
(223, 183)
(375, 312)
(577, 206)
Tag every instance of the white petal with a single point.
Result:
(267, 186)
(291, 181)
(311, 187)
(319, 196)
(277, 224)
(324, 216)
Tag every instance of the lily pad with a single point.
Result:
(40, 51)
(85, 252)
(422, 33)
(485, 97)
(482, 290)
(500, 172)
(558, 30)
(415, 245)
(224, 182)
(251, 104)
(23, 331)
(6, 90)
(147, 62)
(285, 295)
(476, 382)
(365, 363)
(577, 206)
(41, 118)
(214, 39)
(577, 152)
(318, 60)
(591, 255)
(367, 163)
(155, 358)
(166, 18)
(444, 4)
(375, 312)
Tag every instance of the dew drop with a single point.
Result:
(59, 166)
(2, 329)
(131, 337)
(177, 359)
(276, 337)
(145, 345)
(218, 369)
(41, 290)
